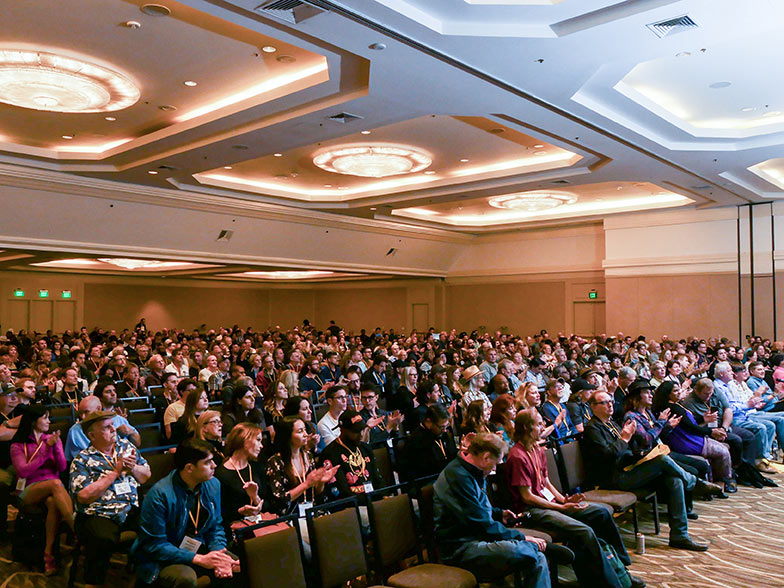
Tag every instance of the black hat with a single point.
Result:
(351, 420)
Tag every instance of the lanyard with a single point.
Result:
(534, 457)
(613, 428)
(440, 445)
(37, 449)
(303, 464)
(250, 475)
(113, 461)
(5, 417)
(198, 512)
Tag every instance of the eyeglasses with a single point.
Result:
(608, 402)
(214, 422)
(371, 397)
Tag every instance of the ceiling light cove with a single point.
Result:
(533, 201)
(290, 275)
(40, 80)
(373, 160)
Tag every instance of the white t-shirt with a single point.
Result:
(328, 434)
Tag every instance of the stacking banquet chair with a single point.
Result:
(336, 542)
(394, 532)
(574, 478)
(283, 548)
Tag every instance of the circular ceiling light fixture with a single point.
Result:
(373, 160)
(45, 81)
(533, 201)
(132, 264)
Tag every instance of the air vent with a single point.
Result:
(225, 235)
(560, 182)
(345, 117)
(291, 11)
(671, 26)
(703, 187)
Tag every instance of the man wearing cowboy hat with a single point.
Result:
(105, 481)
(473, 381)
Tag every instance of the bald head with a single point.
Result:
(89, 404)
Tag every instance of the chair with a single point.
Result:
(126, 540)
(142, 416)
(336, 542)
(384, 464)
(320, 410)
(283, 547)
(395, 538)
(155, 391)
(161, 464)
(216, 405)
(620, 500)
(59, 411)
(133, 404)
(150, 434)
(554, 467)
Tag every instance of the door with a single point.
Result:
(64, 315)
(589, 318)
(18, 315)
(41, 315)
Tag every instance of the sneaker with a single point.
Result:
(636, 582)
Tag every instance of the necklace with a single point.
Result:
(356, 461)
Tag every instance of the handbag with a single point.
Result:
(609, 553)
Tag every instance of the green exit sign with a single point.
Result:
(43, 293)
(19, 293)
(66, 293)
(593, 294)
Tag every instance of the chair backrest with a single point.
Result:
(155, 391)
(142, 416)
(150, 434)
(553, 468)
(284, 548)
(160, 466)
(336, 542)
(497, 489)
(384, 465)
(426, 503)
(573, 466)
(321, 410)
(132, 404)
(394, 531)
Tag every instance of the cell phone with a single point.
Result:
(232, 556)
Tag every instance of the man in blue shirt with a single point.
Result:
(77, 439)
(469, 530)
(181, 534)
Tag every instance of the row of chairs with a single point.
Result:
(340, 552)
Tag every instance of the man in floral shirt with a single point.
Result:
(105, 480)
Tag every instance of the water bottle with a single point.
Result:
(640, 547)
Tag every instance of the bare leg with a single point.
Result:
(52, 521)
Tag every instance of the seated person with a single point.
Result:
(181, 533)
(430, 447)
(131, 386)
(605, 449)
(552, 409)
(242, 478)
(166, 397)
(196, 402)
(8, 426)
(241, 409)
(175, 409)
(469, 530)
(77, 439)
(502, 414)
(293, 478)
(209, 428)
(579, 407)
(38, 458)
(685, 437)
(357, 473)
(300, 406)
(71, 389)
(106, 392)
(428, 393)
(568, 519)
(105, 480)
(773, 401)
(382, 425)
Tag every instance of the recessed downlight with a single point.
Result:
(748, 109)
(683, 54)
(429, 172)
(190, 83)
(719, 85)
(538, 146)
(540, 152)
(269, 49)
(464, 160)
(68, 136)
(227, 167)
(286, 59)
(152, 172)
(372, 208)
(277, 155)
(110, 118)
(167, 108)
(364, 132)
(155, 10)
(327, 185)
(377, 46)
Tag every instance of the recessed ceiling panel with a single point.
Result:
(566, 202)
(121, 264)
(189, 68)
(452, 150)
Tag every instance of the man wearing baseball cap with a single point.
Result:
(105, 481)
(357, 473)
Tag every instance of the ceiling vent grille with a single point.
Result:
(672, 26)
(291, 11)
(560, 182)
(345, 117)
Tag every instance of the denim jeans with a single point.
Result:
(669, 478)
(762, 429)
(777, 418)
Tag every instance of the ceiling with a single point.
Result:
(509, 101)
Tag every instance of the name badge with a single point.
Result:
(303, 506)
(190, 544)
(713, 425)
(547, 495)
(122, 488)
(21, 483)
(389, 443)
(367, 487)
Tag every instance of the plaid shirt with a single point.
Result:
(88, 466)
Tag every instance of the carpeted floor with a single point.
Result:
(746, 533)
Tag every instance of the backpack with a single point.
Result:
(609, 553)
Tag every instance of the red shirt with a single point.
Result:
(525, 468)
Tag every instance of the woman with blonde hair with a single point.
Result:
(525, 394)
(290, 379)
(209, 428)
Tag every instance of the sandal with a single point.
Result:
(50, 565)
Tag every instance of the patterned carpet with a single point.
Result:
(746, 534)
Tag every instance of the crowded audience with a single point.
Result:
(258, 424)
